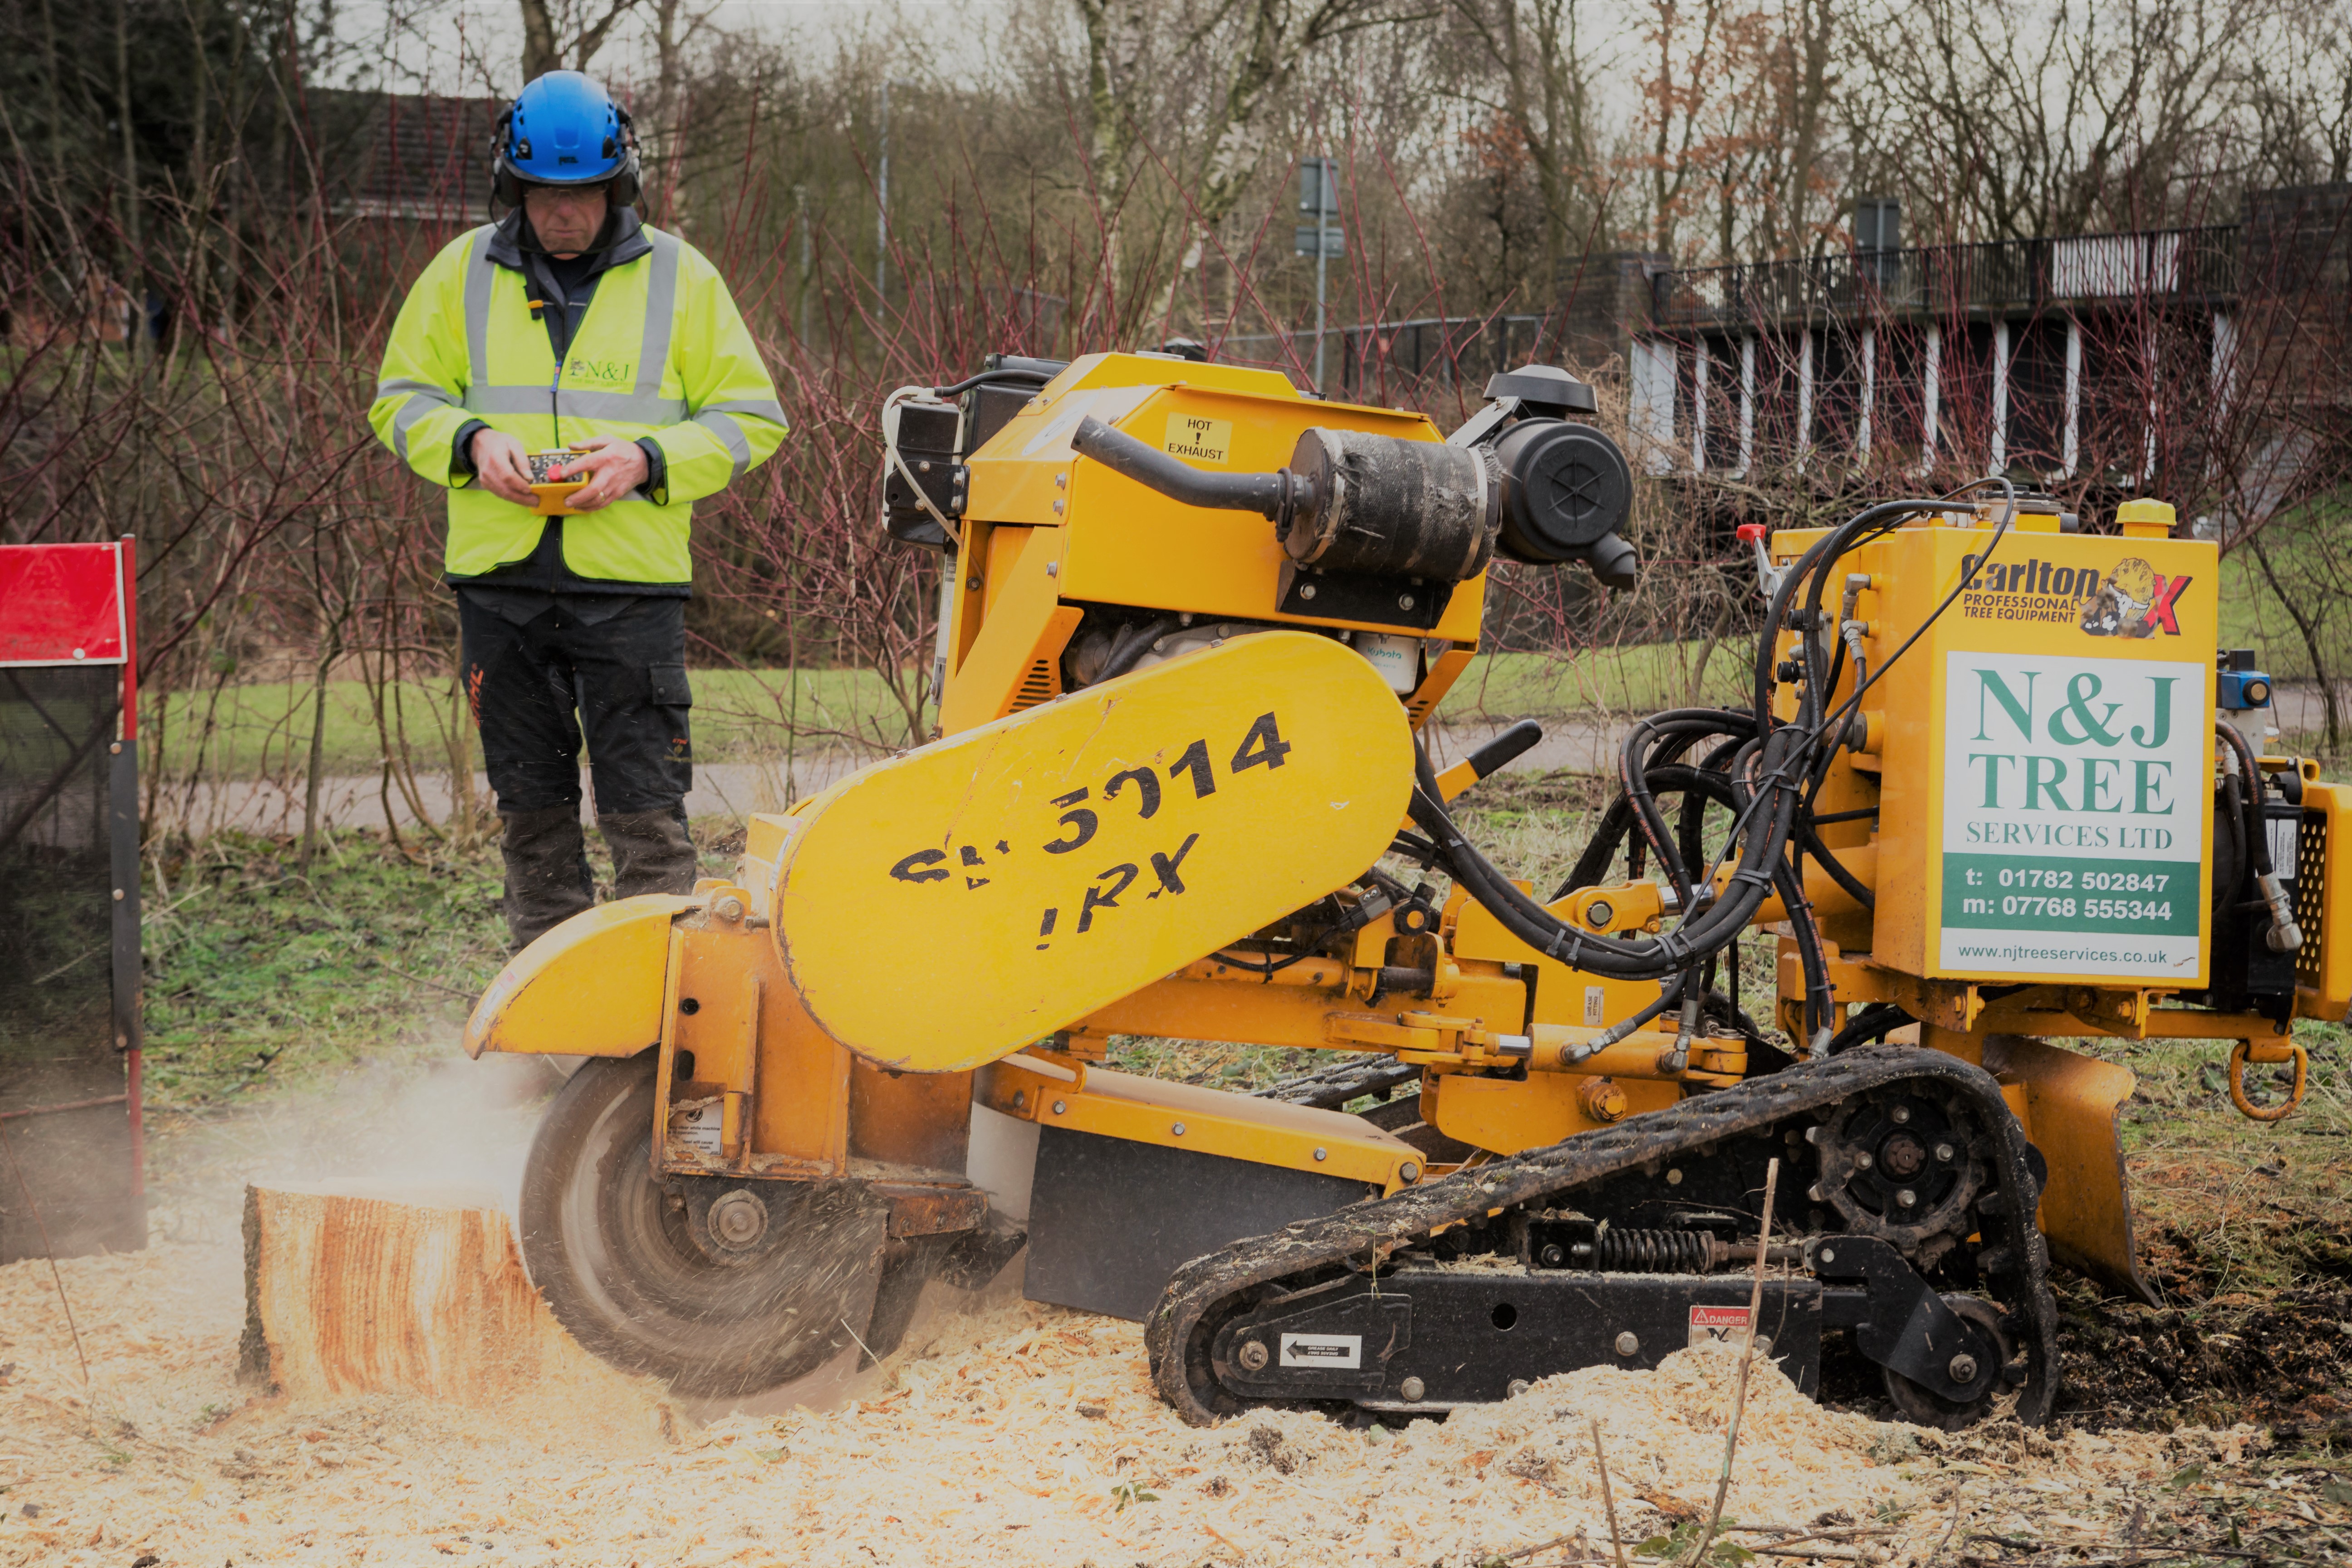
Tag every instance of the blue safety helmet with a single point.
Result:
(564, 129)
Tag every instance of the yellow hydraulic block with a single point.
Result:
(1046, 864)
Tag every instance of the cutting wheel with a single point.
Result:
(718, 1287)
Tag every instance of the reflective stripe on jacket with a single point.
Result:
(662, 353)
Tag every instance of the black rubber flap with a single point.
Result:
(1110, 1220)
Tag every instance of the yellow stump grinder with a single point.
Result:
(1981, 789)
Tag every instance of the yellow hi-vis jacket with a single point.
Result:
(662, 354)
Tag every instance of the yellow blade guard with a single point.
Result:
(1058, 859)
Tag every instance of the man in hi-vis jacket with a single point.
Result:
(571, 323)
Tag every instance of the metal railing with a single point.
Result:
(2170, 264)
(1431, 351)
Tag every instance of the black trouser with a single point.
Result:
(612, 672)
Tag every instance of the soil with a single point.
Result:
(1008, 1433)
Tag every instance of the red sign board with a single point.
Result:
(63, 603)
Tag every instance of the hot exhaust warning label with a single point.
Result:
(2074, 797)
(1198, 436)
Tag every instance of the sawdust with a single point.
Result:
(1015, 1435)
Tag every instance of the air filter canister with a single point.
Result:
(1393, 509)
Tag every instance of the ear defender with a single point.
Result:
(627, 186)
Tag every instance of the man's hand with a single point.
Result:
(612, 467)
(503, 467)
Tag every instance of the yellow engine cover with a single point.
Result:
(948, 907)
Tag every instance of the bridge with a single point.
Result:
(2102, 361)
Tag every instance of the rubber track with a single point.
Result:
(1197, 1293)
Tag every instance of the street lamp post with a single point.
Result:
(882, 207)
(1318, 194)
(882, 210)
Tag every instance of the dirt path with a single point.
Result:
(738, 789)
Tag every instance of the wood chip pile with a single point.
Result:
(1013, 1435)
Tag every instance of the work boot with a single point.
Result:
(547, 870)
(651, 852)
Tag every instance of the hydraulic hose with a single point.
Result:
(1273, 495)
(1702, 932)
(1005, 376)
(1128, 648)
(1769, 768)
(1869, 1024)
(2285, 935)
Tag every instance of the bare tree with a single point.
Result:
(1267, 40)
(565, 34)
(2009, 121)
(1532, 51)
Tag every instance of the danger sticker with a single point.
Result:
(1191, 436)
(1341, 1351)
(1717, 1325)
(696, 1125)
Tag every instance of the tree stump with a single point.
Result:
(354, 1287)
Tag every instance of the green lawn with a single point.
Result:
(743, 715)
(258, 975)
(257, 730)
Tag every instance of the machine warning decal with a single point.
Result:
(2073, 811)
(1344, 1351)
(1717, 1325)
(1191, 436)
(696, 1124)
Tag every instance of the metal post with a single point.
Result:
(1320, 201)
(1931, 395)
(1999, 398)
(1322, 260)
(2070, 442)
(882, 211)
(808, 256)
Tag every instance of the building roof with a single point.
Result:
(404, 156)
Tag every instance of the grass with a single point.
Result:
(2228, 1205)
(258, 975)
(260, 731)
(1641, 678)
(263, 730)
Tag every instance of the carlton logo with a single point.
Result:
(2135, 601)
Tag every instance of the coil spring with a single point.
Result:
(1651, 1251)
